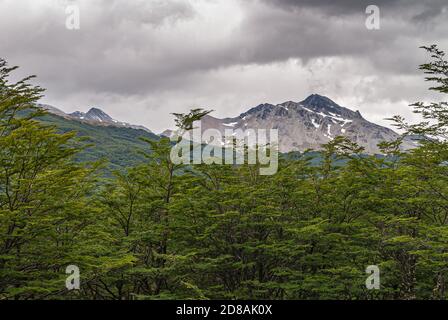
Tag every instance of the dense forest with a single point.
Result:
(158, 230)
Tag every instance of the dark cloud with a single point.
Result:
(273, 33)
(347, 7)
(429, 13)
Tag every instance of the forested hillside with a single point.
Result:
(163, 231)
(119, 146)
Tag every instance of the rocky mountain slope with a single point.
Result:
(309, 124)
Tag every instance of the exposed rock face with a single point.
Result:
(308, 124)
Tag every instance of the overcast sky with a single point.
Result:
(140, 60)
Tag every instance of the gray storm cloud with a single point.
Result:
(141, 60)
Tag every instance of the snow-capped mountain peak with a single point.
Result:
(309, 124)
(97, 114)
(94, 116)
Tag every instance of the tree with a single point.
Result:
(42, 195)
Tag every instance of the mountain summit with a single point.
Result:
(326, 105)
(94, 116)
(309, 124)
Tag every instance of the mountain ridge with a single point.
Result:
(308, 124)
(303, 125)
(94, 116)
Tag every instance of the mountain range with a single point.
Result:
(94, 116)
(301, 125)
